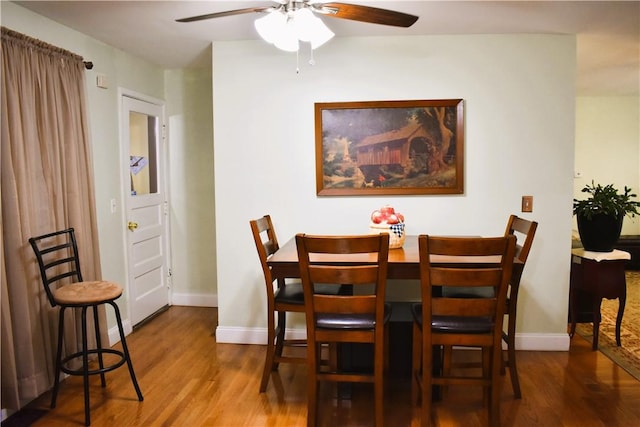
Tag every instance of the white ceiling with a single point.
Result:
(608, 32)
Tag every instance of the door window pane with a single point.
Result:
(143, 136)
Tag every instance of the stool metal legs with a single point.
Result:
(125, 350)
(84, 354)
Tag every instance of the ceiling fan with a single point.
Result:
(289, 21)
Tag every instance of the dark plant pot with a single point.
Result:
(600, 233)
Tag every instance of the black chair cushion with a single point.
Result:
(292, 293)
(454, 324)
(350, 321)
(467, 292)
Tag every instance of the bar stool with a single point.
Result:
(57, 255)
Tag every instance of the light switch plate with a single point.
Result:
(527, 203)
(102, 81)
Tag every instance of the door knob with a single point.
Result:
(132, 225)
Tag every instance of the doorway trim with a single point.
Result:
(165, 181)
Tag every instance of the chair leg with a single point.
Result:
(426, 386)
(85, 367)
(96, 327)
(312, 384)
(271, 350)
(280, 332)
(421, 373)
(378, 383)
(487, 372)
(447, 363)
(125, 350)
(511, 356)
(56, 381)
(513, 372)
(386, 348)
(494, 389)
(416, 363)
(504, 359)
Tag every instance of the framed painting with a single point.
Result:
(389, 147)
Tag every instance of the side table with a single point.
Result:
(598, 275)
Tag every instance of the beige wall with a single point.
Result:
(519, 140)
(190, 116)
(608, 146)
(188, 95)
(519, 100)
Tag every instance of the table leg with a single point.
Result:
(597, 302)
(622, 300)
(345, 363)
(436, 371)
(572, 312)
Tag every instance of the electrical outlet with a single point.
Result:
(527, 203)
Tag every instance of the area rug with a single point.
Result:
(628, 355)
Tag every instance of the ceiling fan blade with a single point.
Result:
(226, 13)
(370, 14)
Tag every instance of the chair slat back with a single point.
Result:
(474, 275)
(525, 231)
(266, 242)
(370, 271)
(57, 256)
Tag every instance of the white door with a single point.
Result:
(146, 207)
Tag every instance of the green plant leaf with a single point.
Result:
(606, 200)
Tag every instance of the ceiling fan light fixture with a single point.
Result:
(321, 34)
(270, 26)
(284, 29)
(287, 39)
(310, 28)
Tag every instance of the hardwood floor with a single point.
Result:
(189, 380)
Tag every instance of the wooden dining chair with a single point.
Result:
(59, 263)
(460, 320)
(525, 231)
(359, 262)
(284, 297)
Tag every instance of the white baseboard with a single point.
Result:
(543, 342)
(529, 342)
(240, 335)
(195, 300)
(114, 335)
(191, 300)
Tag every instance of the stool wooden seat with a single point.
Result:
(87, 292)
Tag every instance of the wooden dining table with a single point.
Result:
(403, 263)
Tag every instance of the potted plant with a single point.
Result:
(600, 216)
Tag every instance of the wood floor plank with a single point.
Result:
(189, 380)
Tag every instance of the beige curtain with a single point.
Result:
(47, 185)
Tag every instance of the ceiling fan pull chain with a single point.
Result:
(298, 61)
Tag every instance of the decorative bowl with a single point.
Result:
(396, 233)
